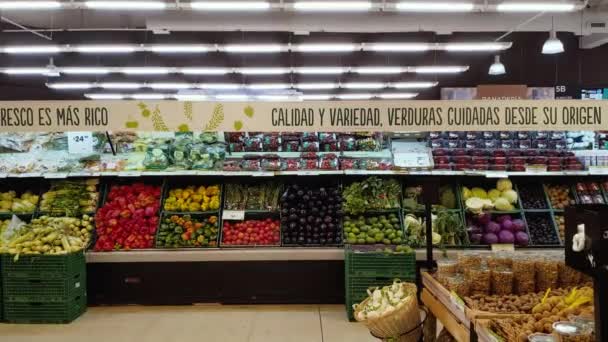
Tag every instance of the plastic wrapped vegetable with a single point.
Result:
(157, 157)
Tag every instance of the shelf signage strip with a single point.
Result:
(331, 116)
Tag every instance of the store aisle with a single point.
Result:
(268, 323)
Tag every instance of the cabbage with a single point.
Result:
(493, 194)
(518, 225)
(504, 184)
(479, 192)
(507, 225)
(484, 218)
(476, 238)
(521, 239)
(506, 236)
(490, 238)
(474, 204)
(436, 238)
(503, 205)
(501, 218)
(466, 193)
(492, 227)
(510, 195)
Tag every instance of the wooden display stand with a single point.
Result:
(442, 306)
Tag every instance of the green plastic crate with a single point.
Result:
(52, 290)
(44, 312)
(362, 262)
(43, 266)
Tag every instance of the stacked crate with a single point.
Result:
(44, 288)
(364, 268)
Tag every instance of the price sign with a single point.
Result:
(497, 174)
(234, 215)
(598, 170)
(80, 142)
(456, 300)
(536, 168)
(503, 247)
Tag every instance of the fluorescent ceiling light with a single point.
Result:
(553, 45)
(112, 85)
(320, 70)
(105, 48)
(223, 5)
(32, 50)
(253, 48)
(354, 96)
(68, 86)
(148, 96)
(232, 97)
(204, 71)
(497, 68)
(428, 6)
(278, 98)
(29, 5)
(332, 6)
(145, 71)
(468, 47)
(194, 48)
(171, 85)
(412, 85)
(220, 86)
(440, 69)
(264, 71)
(193, 97)
(339, 47)
(397, 47)
(126, 5)
(105, 96)
(306, 86)
(363, 85)
(268, 86)
(316, 97)
(85, 71)
(397, 95)
(379, 70)
(26, 71)
(535, 7)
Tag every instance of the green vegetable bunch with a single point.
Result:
(371, 194)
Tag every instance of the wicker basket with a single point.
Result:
(404, 319)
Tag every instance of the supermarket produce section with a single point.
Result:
(299, 218)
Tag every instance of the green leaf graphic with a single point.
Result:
(249, 111)
(188, 110)
(238, 125)
(216, 119)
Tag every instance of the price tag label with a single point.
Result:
(598, 170)
(233, 215)
(503, 247)
(536, 168)
(29, 175)
(263, 174)
(456, 300)
(356, 172)
(129, 174)
(3, 175)
(80, 142)
(496, 174)
(56, 175)
(307, 173)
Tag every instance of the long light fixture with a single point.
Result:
(156, 70)
(429, 6)
(332, 6)
(475, 47)
(105, 48)
(337, 47)
(497, 68)
(234, 86)
(32, 50)
(247, 97)
(535, 7)
(225, 5)
(29, 5)
(126, 5)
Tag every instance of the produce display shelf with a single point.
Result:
(263, 254)
(488, 174)
(459, 330)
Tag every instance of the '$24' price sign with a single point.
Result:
(80, 142)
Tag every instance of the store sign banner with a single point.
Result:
(502, 92)
(387, 116)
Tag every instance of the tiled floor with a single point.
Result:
(294, 323)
